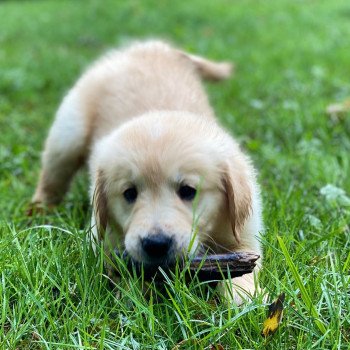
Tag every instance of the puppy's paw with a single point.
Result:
(38, 208)
(239, 290)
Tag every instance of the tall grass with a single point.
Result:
(292, 60)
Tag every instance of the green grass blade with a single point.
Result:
(304, 294)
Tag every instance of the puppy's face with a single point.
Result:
(162, 187)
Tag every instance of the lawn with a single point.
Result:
(292, 60)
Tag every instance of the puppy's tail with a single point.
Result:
(210, 70)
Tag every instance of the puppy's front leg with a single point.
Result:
(64, 152)
(239, 289)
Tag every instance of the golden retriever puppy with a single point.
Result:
(166, 179)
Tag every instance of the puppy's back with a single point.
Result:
(145, 77)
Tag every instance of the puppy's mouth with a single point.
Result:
(148, 269)
(210, 268)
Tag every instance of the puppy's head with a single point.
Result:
(165, 184)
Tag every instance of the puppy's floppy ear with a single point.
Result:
(100, 205)
(239, 197)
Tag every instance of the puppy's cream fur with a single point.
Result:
(140, 117)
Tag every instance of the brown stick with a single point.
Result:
(223, 266)
(206, 268)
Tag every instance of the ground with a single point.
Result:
(292, 60)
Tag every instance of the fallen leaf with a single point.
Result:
(274, 316)
(35, 336)
(337, 109)
(185, 343)
(216, 347)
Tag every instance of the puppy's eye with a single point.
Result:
(130, 195)
(186, 193)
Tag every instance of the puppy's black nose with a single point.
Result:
(157, 246)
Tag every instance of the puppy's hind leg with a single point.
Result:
(64, 152)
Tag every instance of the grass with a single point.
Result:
(292, 61)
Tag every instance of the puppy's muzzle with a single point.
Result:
(158, 248)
